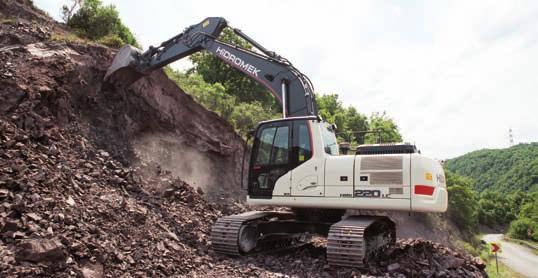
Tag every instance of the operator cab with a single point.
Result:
(282, 145)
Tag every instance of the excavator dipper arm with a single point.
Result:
(292, 89)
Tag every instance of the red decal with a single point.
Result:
(424, 190)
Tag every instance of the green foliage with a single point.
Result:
(524, 228)
(508, 179)
(462, 201)
(495, 208)
(211, 96)
(389, 129)
(504, 170)
(243, 116)
(236, 84)
(330, 108)
(94, 21)
(347, 119)
(529, 208)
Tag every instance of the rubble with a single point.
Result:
(40, 250)
(80, 198)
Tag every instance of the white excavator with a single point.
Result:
(295, 161)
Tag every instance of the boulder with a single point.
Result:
(40, 250)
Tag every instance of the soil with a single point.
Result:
(96, 182)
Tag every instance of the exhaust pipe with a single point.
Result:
(124, 69)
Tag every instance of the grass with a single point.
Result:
(471, 244)
(468, 247)
(111, 41)
(67, 37)
(504, 271)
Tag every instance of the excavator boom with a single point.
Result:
(292, 89)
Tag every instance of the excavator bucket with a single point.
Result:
(124, 69)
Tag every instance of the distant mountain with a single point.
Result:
(503, 170)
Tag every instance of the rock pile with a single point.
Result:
(421, 258)
(66, 204)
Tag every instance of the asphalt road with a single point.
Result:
(517, 257)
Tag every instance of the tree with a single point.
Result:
(330, 108)
(356, 122)
(524, 228)
(462, 201)
(69, 10)
(389, 129)
(348, 120)
(526, 224)
(243, 116)
(211, 96)
(236, 83)
(495, 208)
(529, 209)
(97, 22)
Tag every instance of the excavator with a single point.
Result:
(295, 161)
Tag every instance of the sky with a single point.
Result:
(455, 75)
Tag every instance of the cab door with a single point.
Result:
(270, 162)
(306, 176)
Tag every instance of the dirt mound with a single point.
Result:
(89, 181)
(153, 121)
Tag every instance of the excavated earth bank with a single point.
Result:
(100, 183)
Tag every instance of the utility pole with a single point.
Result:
(511, 137)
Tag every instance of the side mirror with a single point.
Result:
(344, 147)
(251, 133)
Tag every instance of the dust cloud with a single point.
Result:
(181, 160)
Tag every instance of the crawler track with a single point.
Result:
(356, 239)
(352, 242)
(238, 235)
(225, 232)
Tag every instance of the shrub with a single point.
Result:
(97, 22)
(523, 228)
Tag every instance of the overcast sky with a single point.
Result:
(455, 75)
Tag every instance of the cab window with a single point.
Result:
(280, 147)
(329, 140)
(266, 143)
(302, 149)
(273, 147)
